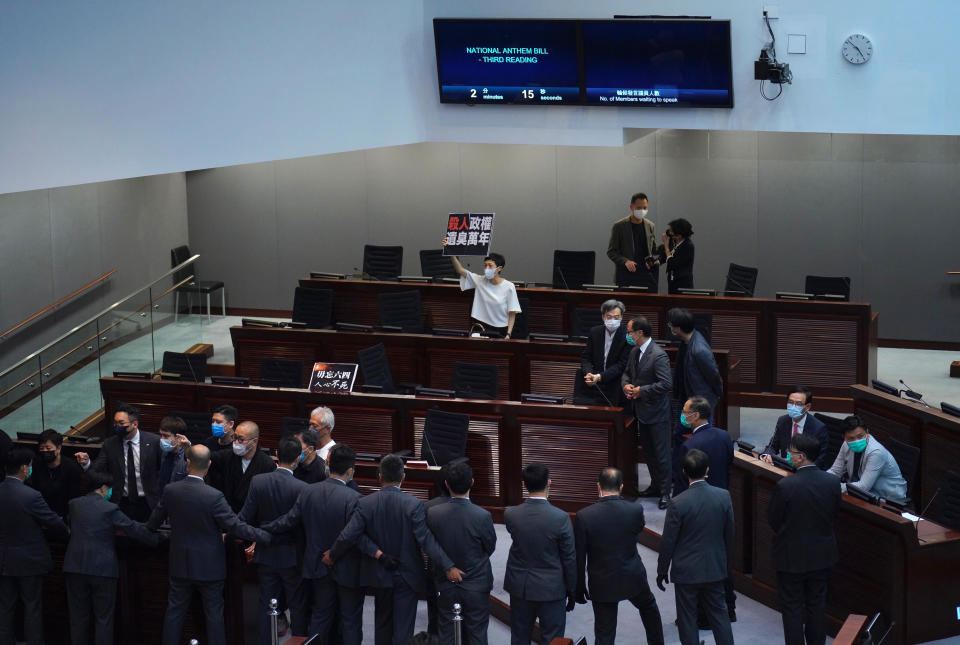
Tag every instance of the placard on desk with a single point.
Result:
(333, 378)
(469, 233)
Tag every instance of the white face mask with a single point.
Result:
(489, 273)
(239, 449)
(640, 212)
(612, 324)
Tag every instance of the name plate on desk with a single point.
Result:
(333, 378)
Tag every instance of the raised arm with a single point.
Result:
(459, 268)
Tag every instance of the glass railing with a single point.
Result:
(58, 386)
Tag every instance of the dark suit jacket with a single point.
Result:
(198, 515)
(653, 376)
(270, 496)
(315, 472)
(542, 564)
(620, 249)
(701, 377)
(323, 510)
(679, 267)
(697, 535)
(112, 459)
(813, 426)
(93, 523)
(23, 516)
(802, 513)
(396, 522)
(591, 361)
(227, 475)
(465, 532)
(718, 445)
(606, 539)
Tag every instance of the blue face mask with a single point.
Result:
(303, 456)
(217, 430)
(30, 472)
(859, 445)
(630, 340)
(789, 458)
(794, 411)
(108, 495)
(683, 420)
(166, 445)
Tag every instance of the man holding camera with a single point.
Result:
(633, 245)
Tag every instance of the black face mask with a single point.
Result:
(48, 456)
(120, 431)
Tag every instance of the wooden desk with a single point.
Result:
(887, 563)
(540, 367)
(824, 345)
(576, 442)
(935, 433)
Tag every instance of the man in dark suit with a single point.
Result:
(606, 540)
(604, 357)
(323, 510)
(430, 581)
(199, 515)
(173, 446)
(798, 420)
(24, 555)
(697, 373)
(802, 513)
(232, 470)
(131, 457)
(646, 383)
(542, 565)
(697, 538)
(90, 565)
(271, 495)
(465, 532)
(396, 522)
(312, 468)
(716, 442)
(632, 240)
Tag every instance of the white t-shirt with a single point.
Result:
(491, 302)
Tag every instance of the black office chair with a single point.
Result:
(521, 325)
(819, 285)
(434, 264)
(444, 437)
(573, 269)
(582, 319)
(190, 367)
(741, 278)
(180, 255)
(198, 425)
(375, 368)
(945, 509)
(475, 380)
(313, 307)
(382, 262)
(702, 322)
(908, 459)
(290, 426)
(401, 309)
(281, 372)
(835, 429)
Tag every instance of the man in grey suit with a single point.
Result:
(697, 538)
(632, 240)
(270, 496)
(396, 522)
(697, 371)
(542, 565)
(199, 515)
(132, 457)
(606, 538)
(90, 565)
(24, 555)
(646, 383)
(323, 510)
(465, 532)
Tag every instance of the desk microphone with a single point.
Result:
(913, 394)
(927, 507)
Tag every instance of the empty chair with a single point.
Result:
(475, 380)
(820, 285)
(582, 320)
(573, 269)
(521, 324)
(401, 309)
(313, 307)
(945, 509)
(908, 459)
(190, 367)
(383, 262)
(444, 437)
(281, 372)
(375, 368)
(180, 255)
(434, 264)
(292, 425)
(741, 278)
(835, 430)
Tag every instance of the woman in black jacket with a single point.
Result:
(677, 253)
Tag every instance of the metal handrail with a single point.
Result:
(102, 313)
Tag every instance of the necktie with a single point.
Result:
(131, 474)
(796, 428)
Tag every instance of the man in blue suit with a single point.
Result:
(270, 496)
(716, 442)
(24, 555)
(798, 420)
(696, 373)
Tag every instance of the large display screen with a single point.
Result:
(507, 61)
(623, 63)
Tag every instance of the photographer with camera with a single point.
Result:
(677, 253)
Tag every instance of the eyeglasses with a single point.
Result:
(240, 439)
